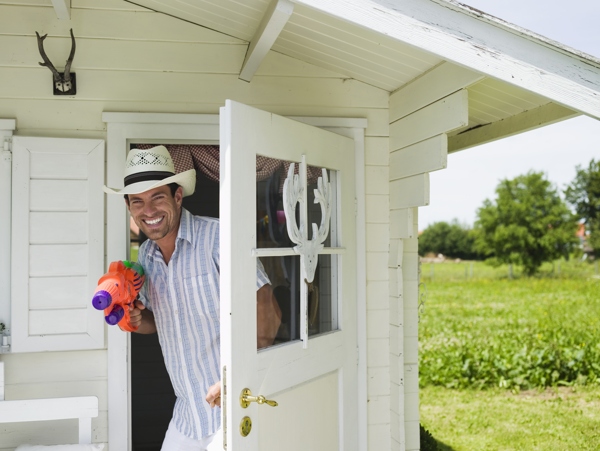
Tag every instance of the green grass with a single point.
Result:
(558, 419)
(510, 364)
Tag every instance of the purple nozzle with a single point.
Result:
(115, 315)
(101, 300)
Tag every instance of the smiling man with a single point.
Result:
(180, 299)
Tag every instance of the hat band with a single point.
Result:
(145, 176)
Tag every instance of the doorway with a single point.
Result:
(152, 396)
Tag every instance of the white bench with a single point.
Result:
(83, 408)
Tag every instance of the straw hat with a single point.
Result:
(150, 168)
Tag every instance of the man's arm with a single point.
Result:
(268, 316)
(142, 318)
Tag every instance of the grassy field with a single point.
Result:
(557, 419)
(510, 364)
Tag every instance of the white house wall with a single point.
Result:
(130, 59)
(418, 144)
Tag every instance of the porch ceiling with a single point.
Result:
(355, 52)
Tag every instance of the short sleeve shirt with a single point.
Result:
(184, 297)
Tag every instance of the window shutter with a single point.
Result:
(57, 243)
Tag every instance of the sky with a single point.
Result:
(473, 174)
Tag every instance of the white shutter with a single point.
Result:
(57, 243)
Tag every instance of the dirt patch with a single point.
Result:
(547, 394)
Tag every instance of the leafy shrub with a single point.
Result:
(516, 334)
(449, 239)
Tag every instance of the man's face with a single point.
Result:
(156, 212)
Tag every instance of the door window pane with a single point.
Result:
(284, 270)
(284, 274)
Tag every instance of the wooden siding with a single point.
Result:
(418, 144)
(133, 60)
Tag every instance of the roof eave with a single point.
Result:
(491, 46)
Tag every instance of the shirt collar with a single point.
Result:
(185, 227)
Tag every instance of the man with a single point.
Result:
(180, 299)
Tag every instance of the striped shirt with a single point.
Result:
(184, 297)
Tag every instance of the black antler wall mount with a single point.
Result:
(64, 82)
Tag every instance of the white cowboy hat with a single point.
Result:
(150, 168)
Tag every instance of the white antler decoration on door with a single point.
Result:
(294, 191)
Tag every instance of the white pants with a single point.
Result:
(176, 441)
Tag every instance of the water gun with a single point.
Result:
(117, 290)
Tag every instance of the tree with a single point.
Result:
(450, 239)
(583, 194)
(527, 225)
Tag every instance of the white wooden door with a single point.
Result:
(313, 374)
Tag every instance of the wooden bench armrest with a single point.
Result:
(83, 408)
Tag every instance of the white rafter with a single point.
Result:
(62, 8)
(274, 20)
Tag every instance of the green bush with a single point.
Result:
(449, 239)
(517, 334)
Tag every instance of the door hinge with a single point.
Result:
(7, 145)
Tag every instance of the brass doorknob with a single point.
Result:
(246, 398)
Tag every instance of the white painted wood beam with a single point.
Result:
(410, 192)
(275, 18)
(443, 116)
(484, 44)
(62, 9)
(528, 120)
(425, 156)
(439, 82)
(401, 224)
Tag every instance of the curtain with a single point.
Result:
(205, 158)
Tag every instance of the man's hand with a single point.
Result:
(142, 318)
(135, 313)
(213, 397)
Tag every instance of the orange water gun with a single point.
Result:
(117, 290)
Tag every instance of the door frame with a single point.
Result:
(122, 129)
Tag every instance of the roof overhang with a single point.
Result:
(516, 79)
(482, 43)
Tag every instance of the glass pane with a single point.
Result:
(322, 295)
(284, 273)
(270, 214)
